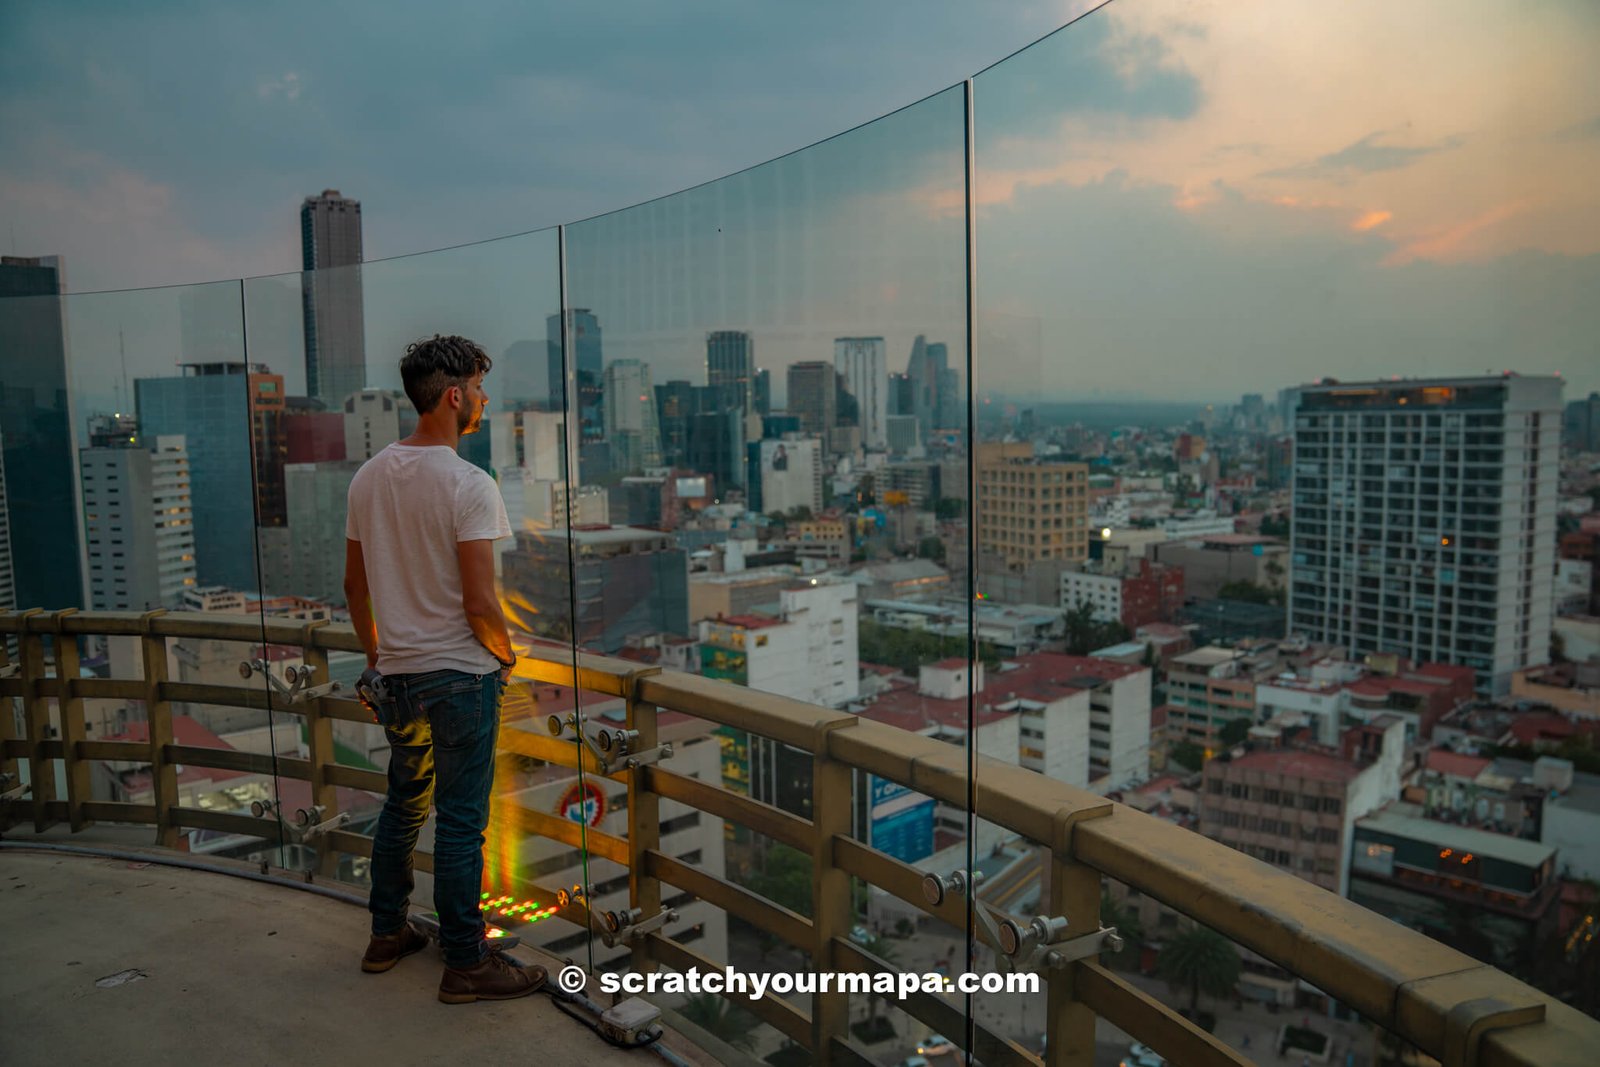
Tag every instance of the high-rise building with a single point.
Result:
(1582, 424)
(36, 411)
(813, 396)
(717, 445)
(676, 404)
(1424, 519)
(374, 419)
(587, 360)
(213, 407)
(934, 388)
(630, 416)
(730, 368)
(269, 442)
(627, 582)
(8, 582)
(335, 325)
(763, 388)
(1030, 509)
(787, 475)
(863, 361)
(139, 525)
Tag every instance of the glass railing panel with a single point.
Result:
(340, 335)
(767, 378)
(160, 406)
(1281, 340)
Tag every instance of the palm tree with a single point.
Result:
(720, 1018)
(1203, 960)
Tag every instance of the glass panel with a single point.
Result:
(337, 336)
(162, 413)
(1271, 369)
(768, 376)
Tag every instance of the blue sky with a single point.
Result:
(1177, 199)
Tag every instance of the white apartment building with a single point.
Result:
(139, 523)
(864, 363)
(791, 474)
(372, 422)
(808, 649)
(1424, 519)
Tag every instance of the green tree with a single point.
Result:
(1249, 592)
(1235, 731)
(720, 1018)
(949, 507)
(1202, 961)
(1187, 754)
(784, 879)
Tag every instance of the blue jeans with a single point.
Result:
(442, 727)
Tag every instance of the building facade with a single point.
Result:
(863, 362)
(1424, 519)
(335, 321)
(1028, 510)
(139, 525)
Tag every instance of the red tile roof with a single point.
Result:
(751, 622)
(1044, 677)
(1457, 765)
(1296, 763)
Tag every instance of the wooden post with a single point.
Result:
(69, 714)
(644, 823)
(9, 775)
(35, 719)
(158, 720)
(319, 744)
(1074, 893)
(832, 911)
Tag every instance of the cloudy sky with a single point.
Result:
(1178, 199)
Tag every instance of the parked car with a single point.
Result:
(936, 1045)
(1142, 1056)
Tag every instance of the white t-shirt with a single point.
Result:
(408, 506)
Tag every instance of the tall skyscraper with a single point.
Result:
(763, 400)
(730, 368)
(8, 582)
(933, 387)
(40, 459)
(587, 363)
(1424, 520)
(863, 361)
(137, 513)
(335, 325)
(630, 416)
(676, 404)
(269, 444)
(213, 406)
(813, 396)
(1581, 424)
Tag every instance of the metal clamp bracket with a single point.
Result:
(10, 670)
(1042, 943)
(629, 924)
(611, 748)
(299, 688)
(311, 823)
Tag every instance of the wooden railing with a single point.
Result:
(1446, 1003)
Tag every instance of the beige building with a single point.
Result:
(1030, 510)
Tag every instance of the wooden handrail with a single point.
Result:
(1428, 993)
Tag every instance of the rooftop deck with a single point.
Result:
(136, 962)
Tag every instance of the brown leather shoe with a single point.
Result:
(384, 952)
(496, 978)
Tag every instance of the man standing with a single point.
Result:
(419, 580)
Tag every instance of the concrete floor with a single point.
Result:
(236, 972)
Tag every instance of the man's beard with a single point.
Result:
(468, 422)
